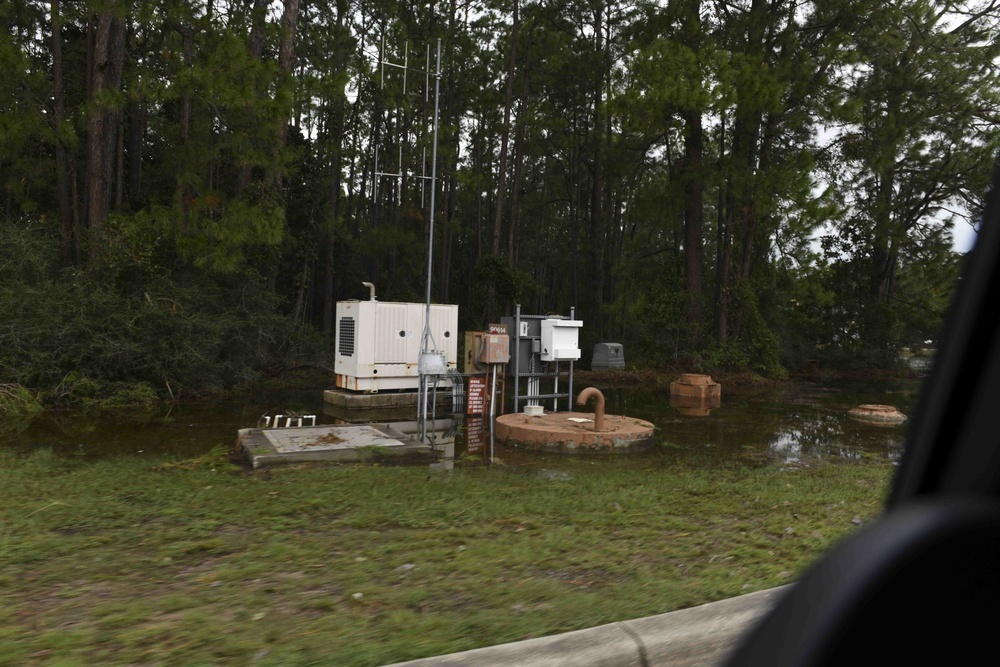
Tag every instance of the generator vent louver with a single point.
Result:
(346, 347)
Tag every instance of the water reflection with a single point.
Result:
(824, 436)
(477, 436)
(796, 423)
(695, 406)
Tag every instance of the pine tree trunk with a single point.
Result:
(339, 112)
(286, 57)
(133, 149)
(597, 182)
(694, 185)
(722, 249)
(102, 122)
(505, 136)
(515, 196)
(120, 164)
(746, 141)
(182, 195)
(258, 21)
(693, 215)
(59, 116)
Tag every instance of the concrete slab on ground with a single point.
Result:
(327, 438)
(696, 637)
(350, 442)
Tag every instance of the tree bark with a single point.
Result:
(181, 194)
(746, 143)
(59, 116)
(722, 252)
(883, 253)
(597, 183)
(505, 133)
(693, 214)
(133, 150)
(102, 121)
(286, 57)
(338, 115)
(515, 195)
(120, 164)
(695, 185)
(258, 21)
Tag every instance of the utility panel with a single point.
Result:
(377, 344)
(495, 349)
(530, 332)
(473, 348)
(535, 342)
(607, 355)
(559, 340)
(484, 349)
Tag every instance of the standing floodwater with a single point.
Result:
(797, 422)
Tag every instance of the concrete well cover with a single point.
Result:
(880, 415)
(573, 432)
(328, 438)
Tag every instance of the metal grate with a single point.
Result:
(346, 333)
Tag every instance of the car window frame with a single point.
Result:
(941, 528)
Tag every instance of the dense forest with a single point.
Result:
(189, 186)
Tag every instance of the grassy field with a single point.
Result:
(126, 562)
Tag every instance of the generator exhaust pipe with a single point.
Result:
(371, 290)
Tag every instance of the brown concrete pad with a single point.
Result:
(573, 432)
(879, 415)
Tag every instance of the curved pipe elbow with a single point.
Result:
(586, 395)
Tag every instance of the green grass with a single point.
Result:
(119, 563)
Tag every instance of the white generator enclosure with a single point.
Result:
(378, 343)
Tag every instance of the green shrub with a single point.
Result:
(121, 395)
(17, 401)
(120, 333)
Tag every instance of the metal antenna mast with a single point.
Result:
(432, 363)
(405, 67)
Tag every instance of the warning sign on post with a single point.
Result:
(477, 434)
(476, 405)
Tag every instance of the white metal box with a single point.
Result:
(559, 340)
(377, 344)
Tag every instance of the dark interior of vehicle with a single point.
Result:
(922, 584)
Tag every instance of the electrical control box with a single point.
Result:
(495, 349)
(559, 340)
(529, 332)
(484, 349)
